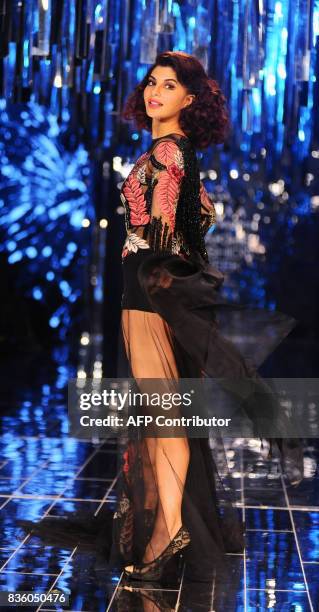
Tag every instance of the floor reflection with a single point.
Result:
(44, 474)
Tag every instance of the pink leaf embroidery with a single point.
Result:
(136, 201)
(167, 152)
(175, 172)
(141, 160)
(167, 190)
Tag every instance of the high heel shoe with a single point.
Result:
(153, 570)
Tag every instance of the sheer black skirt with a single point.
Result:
(214, 525)
(181, 328)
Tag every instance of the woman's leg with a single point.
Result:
(149, 348)
(171, 464)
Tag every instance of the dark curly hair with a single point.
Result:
(206, 120)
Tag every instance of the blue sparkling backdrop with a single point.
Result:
(81, 58)
(44, 198)
(70, 65)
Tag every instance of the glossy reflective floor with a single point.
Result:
(44, 473)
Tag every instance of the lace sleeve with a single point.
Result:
(208, 212)
(166, 171)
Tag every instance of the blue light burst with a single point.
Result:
(44, 195)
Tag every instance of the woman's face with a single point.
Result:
(164, 88)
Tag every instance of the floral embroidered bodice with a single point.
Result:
(151, 196)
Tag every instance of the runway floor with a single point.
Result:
(43, 472)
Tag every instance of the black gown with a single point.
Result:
(174, 326)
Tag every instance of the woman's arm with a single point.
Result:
(165, 171)
(208, 212)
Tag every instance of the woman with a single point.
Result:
(170, 498)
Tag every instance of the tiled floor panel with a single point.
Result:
(44, 473)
